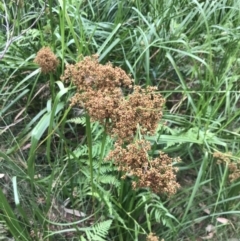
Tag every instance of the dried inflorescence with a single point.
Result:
(153, 237)
(233, 166)
(222, 157)
(148, 105)
(100, 91)
(99, 88)
(100, 105)
(157, 174)
(89, 74)
(142, 108)
(234, 169)
(47, 60)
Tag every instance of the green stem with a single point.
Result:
(52, 87)
(62, 29)
(52, 23)
(89, 140)
(102, 152)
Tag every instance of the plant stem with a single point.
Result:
(89, 140)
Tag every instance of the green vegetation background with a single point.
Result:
(49, 152)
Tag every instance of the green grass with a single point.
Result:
(51, 155)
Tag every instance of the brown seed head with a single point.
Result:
(46, 60)
(90, 74)
(231, 162)
(152, 237)
(157, 174)
(100, 93)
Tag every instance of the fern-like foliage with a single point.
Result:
(82, 150)
(160, 214)
(110, 179)
(98, 232)
(78, 120)
(104, 172)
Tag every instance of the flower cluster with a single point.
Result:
(46, 60)
(143, 107)
(101, 91)
(153, 237)
(233, 166)
(89, 74)
(156, 174)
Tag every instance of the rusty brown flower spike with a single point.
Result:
(100, 93)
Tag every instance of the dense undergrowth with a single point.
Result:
(60, 157)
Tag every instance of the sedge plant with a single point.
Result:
(190, 51)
